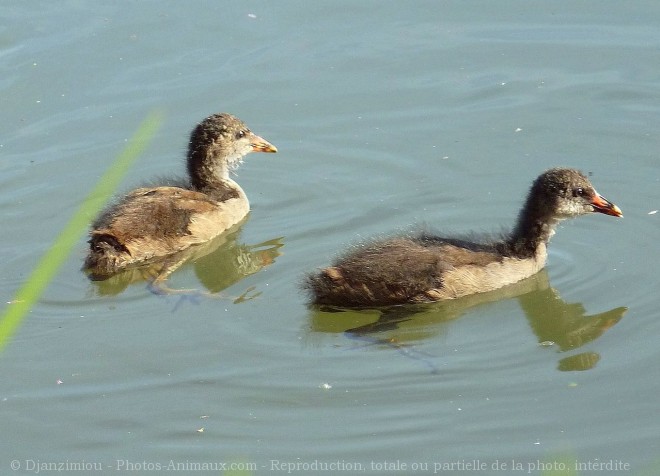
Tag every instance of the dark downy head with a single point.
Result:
(218, 144)
(556, 194)
(566, 193)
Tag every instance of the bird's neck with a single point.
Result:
(210, 176)
(533, 230)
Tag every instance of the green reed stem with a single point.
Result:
(58, 252)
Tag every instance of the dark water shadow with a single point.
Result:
(218, 264)
(566, 326)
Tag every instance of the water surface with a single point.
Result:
(386, 117)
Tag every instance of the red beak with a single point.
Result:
(602, 205)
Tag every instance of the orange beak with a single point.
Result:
(260, 144)
(602, 205)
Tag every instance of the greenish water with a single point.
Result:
(386, 117)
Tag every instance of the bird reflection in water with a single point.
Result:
(218, 264)
(557, 324)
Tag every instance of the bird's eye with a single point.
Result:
(579, 192)
(240, 134)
